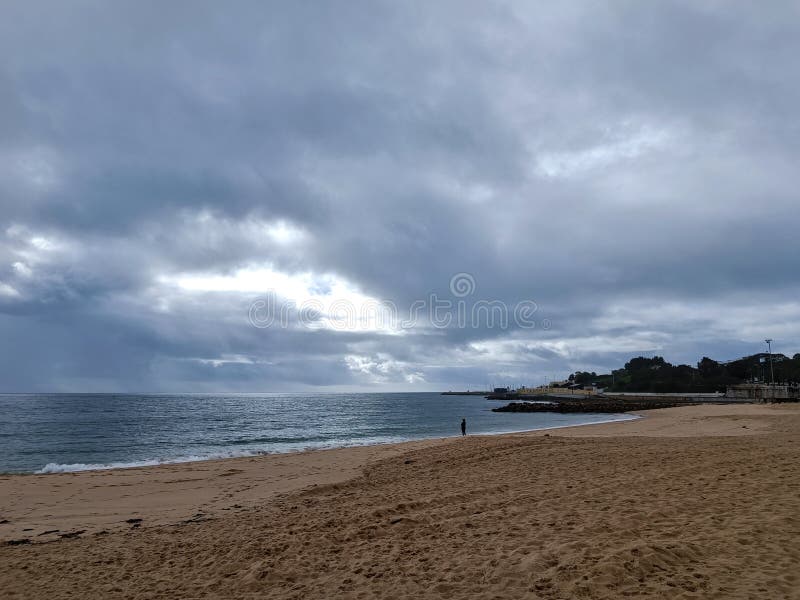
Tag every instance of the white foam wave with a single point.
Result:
(76, 467)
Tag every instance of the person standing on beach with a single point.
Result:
(463, 427)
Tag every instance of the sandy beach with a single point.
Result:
(694, 502)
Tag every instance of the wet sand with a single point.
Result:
(694, 502)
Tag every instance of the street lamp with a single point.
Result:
(769, 353)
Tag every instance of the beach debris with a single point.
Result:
(48, 532)
(409, 462)
(230, 472)
(132, 521)
(4, 521)
(71, 534)
(18, 542)
(198, 518)
(405, 520)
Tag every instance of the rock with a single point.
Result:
(589, 405)
(71, 534)
(18, 542)
(197, 518)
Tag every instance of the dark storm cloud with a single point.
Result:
(631, 169)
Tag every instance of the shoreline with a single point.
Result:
(671, 505)
(152, 463)
(168, 493)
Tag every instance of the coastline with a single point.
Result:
(57, 468)
(671, 486)
(139, 431)
(166, 493)
(43, 506)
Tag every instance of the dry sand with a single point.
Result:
(695, 502)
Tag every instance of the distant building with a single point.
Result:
(760, 357)
(762, 392)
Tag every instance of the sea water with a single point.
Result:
(48, 433)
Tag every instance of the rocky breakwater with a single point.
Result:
(589, 405)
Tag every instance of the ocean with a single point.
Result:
(51, 433)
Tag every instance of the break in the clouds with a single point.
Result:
(631, 169)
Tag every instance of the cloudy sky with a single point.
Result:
(253, 196)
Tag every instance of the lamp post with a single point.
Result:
(769, 354)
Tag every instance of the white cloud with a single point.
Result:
(22, 269)
(324, 301)
(621, 146)
(229, 359)
(382, 368)
(7, 290)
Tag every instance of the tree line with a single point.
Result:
(643, 374)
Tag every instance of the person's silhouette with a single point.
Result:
(463, 427)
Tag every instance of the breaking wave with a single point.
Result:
(76, 467)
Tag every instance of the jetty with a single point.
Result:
(619, 402)
(589, 405)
